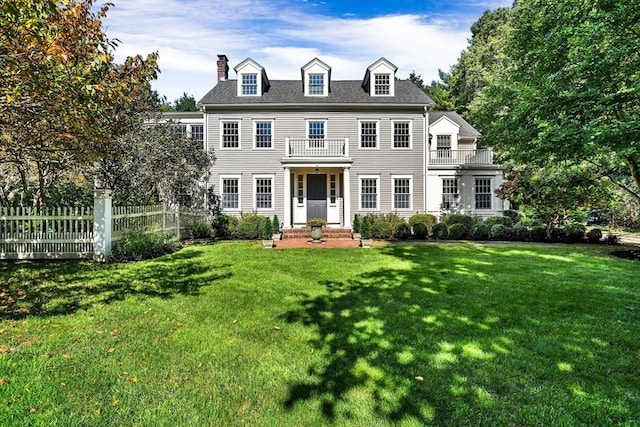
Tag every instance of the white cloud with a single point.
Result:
(189, 34)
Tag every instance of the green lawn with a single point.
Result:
(231, 334)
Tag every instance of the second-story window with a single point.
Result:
(401, 135)
(316, 84)
(249, 84)
(230, 135)
(443, 146)
(316, 134)
(368, 135)
(382, 84)
(264, 138)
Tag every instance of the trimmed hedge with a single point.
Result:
(250, 227)
(427, 219)
(504, 220)
(457, 231)
(381, 229)
(420, 230)
(594, 235)
(480, 231)
(521, 233)
(466, 221)
(402, 230)
(575, 232)
(537, 233)
(500, 232)
(440, 231)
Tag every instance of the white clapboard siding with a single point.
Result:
(58, 233)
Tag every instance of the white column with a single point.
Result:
(346, 147)
(287, 198)
(102, 225)
(347, 197)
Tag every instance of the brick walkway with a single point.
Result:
(326, 243)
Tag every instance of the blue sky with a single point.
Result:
(283, 35)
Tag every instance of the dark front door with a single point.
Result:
(317, 196)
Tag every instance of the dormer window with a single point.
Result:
(316, 84)
(382, 84)
(249, 84)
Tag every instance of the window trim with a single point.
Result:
(254, 196)
(475, 192)
(393, 134)
(377, 178)
(393, 192)
(360, 123)
(239, 178)
(222, 123)
(255, 134)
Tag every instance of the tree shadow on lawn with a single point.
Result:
(438, 342)
(58, 287)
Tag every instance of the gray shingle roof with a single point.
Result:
(466, 130)
(291, 92)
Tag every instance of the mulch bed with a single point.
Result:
(632, 254)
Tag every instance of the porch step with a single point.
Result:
(327, 233)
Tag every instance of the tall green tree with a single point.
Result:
(185, 103)
(63, 100)
(571, 90)
(437, 91)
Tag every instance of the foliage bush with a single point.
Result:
(513, 214)
(594, 235)
(381, 229)
(521, 233)
(558, 235)
(575, 232)
(356, 223)
(202, 230)
(135, 246)
(275, 225)
(365, 228)
(504, 220)
(420, 230)
(224, 226)
(440, 231)
(457, 231)
(466, 221)
(427, 220)
(500, 232)
(537, 233)
(267, 229)
(480, 231)
(613, 239)
(402, 231)
(250, 227)
(393, 219)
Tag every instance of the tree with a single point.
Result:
(570, 93)
(437, 91)
(63, 101)
(185, 103)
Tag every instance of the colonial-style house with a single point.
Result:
(316, 147)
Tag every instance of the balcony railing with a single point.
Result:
(317, 147)
(461, 157)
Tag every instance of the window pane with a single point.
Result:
(316, 84)
(402, 193)
(230, 135)
(197, 132)
(263, 193)
(249, 84)
(449, 193)
(401, 135)
(230, 193)
(368, 134)
(263, 134)
(483, 193)
(369, 193)
(382, 84)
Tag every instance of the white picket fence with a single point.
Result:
(76, 233)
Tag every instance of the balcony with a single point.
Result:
(461, 157)
(317, 148)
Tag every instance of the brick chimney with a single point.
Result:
(223, 68)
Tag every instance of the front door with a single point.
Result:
(317, 196)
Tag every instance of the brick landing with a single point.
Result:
(305, 233)
(326, 243)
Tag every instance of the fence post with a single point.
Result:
(102, 214)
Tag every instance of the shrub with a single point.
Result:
(575, 232)
(513, 214)
(504, 220)
(537, 233)
(224, 226)
(393, 219)
(275, 225)
(457, 232)
(420, 230)
(402, 231)
(480, 231)
(500, 232)
(427, 220)
(466, 221)
(440, 231)
(202, 230)
(316, 222)
(135, 246)
(594, 235)
(381, 229)
(558, 235)
(613, 239)
(250, 227)
(356, 223)
(267, 229)
(365, 228)
(521, 233)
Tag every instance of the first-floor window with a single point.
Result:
(300, 189)
(369, 193)
(230, 193)
(197, 132)
(449, 193)
(333, 189)
(264, 193)
(483, 193)
(401, 193)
